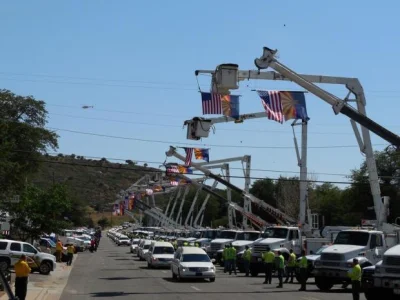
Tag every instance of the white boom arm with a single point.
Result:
(204, 205)
(226, 78)
(279, 215)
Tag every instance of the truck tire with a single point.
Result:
(324, 284)
(4, 264)
(45, 268)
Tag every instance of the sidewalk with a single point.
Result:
(47, 287)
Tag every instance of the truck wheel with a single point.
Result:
(45, 268)
(4, 264)
(324, 284)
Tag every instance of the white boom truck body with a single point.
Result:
(336, 260)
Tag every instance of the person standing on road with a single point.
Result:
(281, 268)
(225, 257)
(246, 260)
(291, 267)
(70, 253)
(355, 276)
(303, 270)
(232, 255)
(22, 271)
(269, 258)
(59, 249)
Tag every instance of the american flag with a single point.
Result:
(189, 154)
(211, 103)
(271, 100)
(174, 183)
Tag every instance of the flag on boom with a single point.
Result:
(199, 153)
(216, 104)
(283, 106)
(202, 154)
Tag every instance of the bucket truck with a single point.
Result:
(333, 263)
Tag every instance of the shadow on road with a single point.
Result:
(120, 294)
(125, 278)
(113, 270)
(123, 259)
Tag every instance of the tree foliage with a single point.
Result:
(23, 138)
(42, 211)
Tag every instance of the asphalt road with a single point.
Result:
(112, 272)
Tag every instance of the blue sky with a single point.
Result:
(135, 62)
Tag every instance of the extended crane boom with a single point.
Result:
(279, 215)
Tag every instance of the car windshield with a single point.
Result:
(228, 235)
(320, 250)
(356, 238)
(251, 236)
(195, 258)
(163, 250)
(212, 234)
(146, 246)
(135, 242)
(279, 233)
(52, 244)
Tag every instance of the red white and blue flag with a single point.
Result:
(189, 155)
(271, 101)
(211, 103)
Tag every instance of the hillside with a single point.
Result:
(93, 182)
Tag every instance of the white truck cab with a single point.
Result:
(226, 237)
(275, 237)
(336, 260)
(383, 279)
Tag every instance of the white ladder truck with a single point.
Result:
(333, 262)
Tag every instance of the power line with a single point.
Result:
(194, 174)
(204, 145)
(54, 154)
(180, 126)
(138, 81)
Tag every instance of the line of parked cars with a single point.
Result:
(184, 262)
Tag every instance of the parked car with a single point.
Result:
(160, 255)
(192, 262)
(11, 251)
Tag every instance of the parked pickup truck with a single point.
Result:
(276, 238)
(382, 281)
(336, 260)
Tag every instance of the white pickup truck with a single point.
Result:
(336, 260)
(382, 281)
(226, 237)
(276, 238)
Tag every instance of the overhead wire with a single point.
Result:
(194, 174)
(159, 163)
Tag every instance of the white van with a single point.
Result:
(160, 255)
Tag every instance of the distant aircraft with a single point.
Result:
(86, 107)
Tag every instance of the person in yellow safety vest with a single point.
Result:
(175, 244)
(59, 249)
(303, 265)
(291, 267)
(196, 245)
(232, 259)
(22, 271)
(246, 260)
(185, 244)
(355, 276)
(225, 258)
(268, 258)
(70, 252)
(281, 268)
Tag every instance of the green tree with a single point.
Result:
(42, 211)
(388, 167)
(23, 138)
(103, 222)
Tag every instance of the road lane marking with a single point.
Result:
(164, 272)
(195, 288)
(309, 298)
